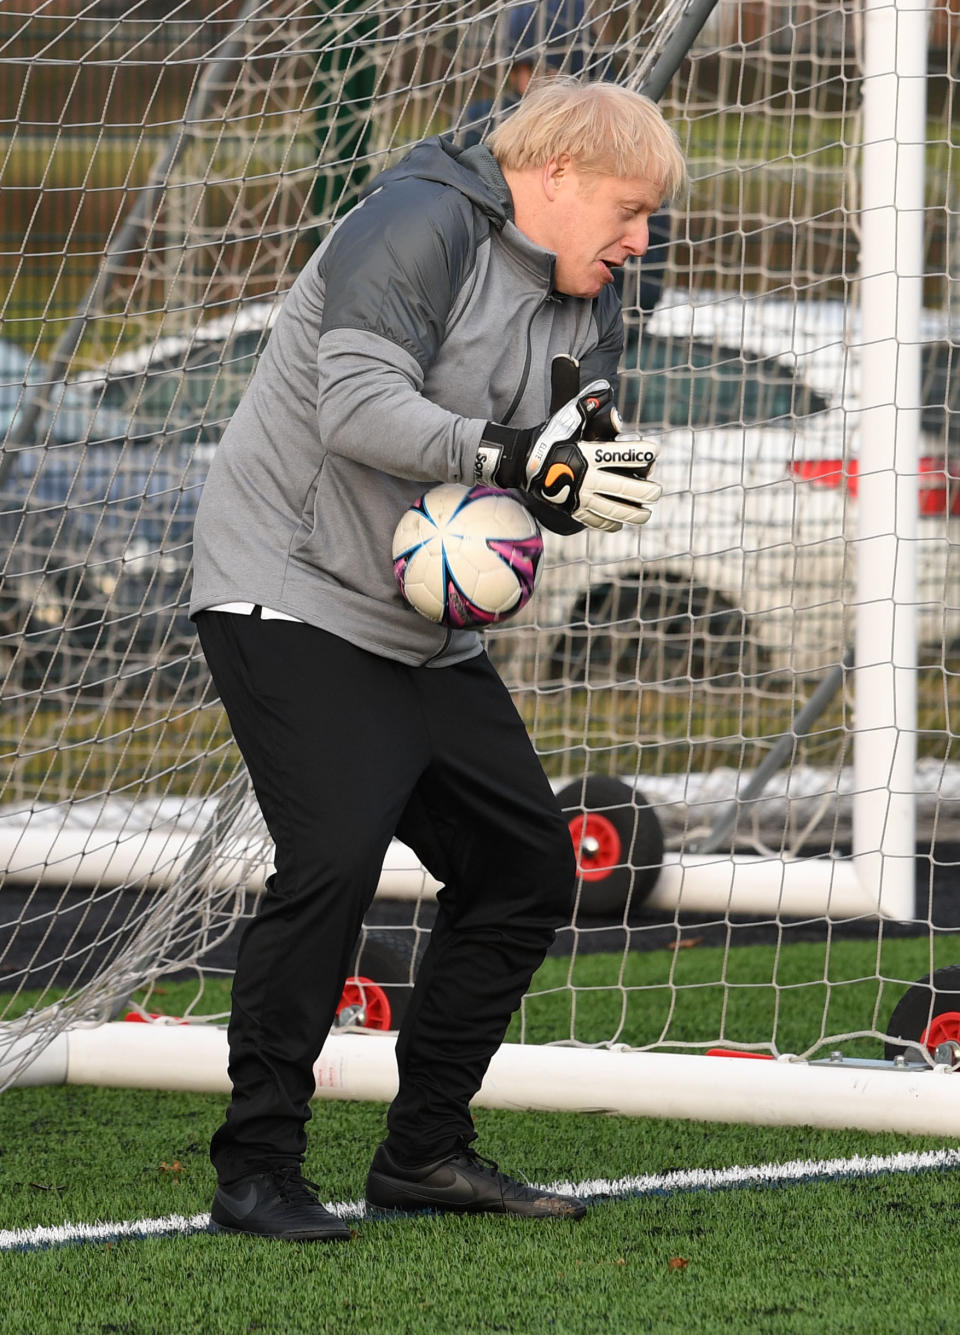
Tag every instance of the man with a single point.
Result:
(415, 347)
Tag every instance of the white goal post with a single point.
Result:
(766, 674)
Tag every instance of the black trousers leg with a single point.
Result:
(485, 821)
(308, 712)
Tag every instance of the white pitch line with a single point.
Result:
(57, 1235)
(762, 1175)
(30, 1239)
(650, 1184)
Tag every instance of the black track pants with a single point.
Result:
(346, 749)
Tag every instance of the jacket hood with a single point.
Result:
(473, 171)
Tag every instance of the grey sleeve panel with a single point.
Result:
(397, 263)
(604, 360)
(370, 409)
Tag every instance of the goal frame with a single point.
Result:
(876, 1096)
(876, 880)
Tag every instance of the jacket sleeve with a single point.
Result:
(392, 270)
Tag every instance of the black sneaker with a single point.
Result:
(461, 1183)
(275, 1204)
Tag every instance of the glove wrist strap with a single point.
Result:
(502, 455)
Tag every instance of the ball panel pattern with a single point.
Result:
(467, 556)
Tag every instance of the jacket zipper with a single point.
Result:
(524, 377)
(528, 356)
(448, 635)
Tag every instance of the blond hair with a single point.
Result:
(606, 129)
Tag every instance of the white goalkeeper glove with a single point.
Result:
(580, 460)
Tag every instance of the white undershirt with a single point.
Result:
(246, 609)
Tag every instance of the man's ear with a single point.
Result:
(556, 174)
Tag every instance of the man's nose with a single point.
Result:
(637, 237)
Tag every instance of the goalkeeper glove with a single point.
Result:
(579, 461)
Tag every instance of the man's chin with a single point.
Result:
(588, 290)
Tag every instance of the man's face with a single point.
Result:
(594, 224)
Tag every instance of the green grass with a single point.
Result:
(859, 1255)
(797, 1000)
(68, 748)
(808, 995)
(64, 747)
(764, 158)
(872, 1255)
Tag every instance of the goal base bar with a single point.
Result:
(909, 1100)
(802, 887)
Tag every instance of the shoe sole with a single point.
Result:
(412, 1211)
(333, 1236)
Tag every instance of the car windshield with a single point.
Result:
(677, 382)
(204, 382)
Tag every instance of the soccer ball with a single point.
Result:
(467, 556)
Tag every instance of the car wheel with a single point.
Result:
(654, 628)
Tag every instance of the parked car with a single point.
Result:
(97, 508)
(748, 564)
(745, 568)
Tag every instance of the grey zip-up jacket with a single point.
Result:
(423, 315)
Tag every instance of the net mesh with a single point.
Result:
(167, 169)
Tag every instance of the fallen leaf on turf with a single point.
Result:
(678, 1263)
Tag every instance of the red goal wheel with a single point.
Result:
(382, 969)
(944, 1028)
(598, 845)
(618, 842)
(369, 1004)
(926, 1016)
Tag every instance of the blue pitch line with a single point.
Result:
(795, 1172)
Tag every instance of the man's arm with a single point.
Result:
(392, 271)
(391, 281)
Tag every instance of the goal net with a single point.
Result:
(748, 708)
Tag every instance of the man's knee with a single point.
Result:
(565, 875)
(555, 873)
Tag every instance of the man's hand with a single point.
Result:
(583, 461)
(579, 460)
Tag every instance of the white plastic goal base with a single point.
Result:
(814, 887)
(801, 887)
(99, 849)
(909, 1100)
